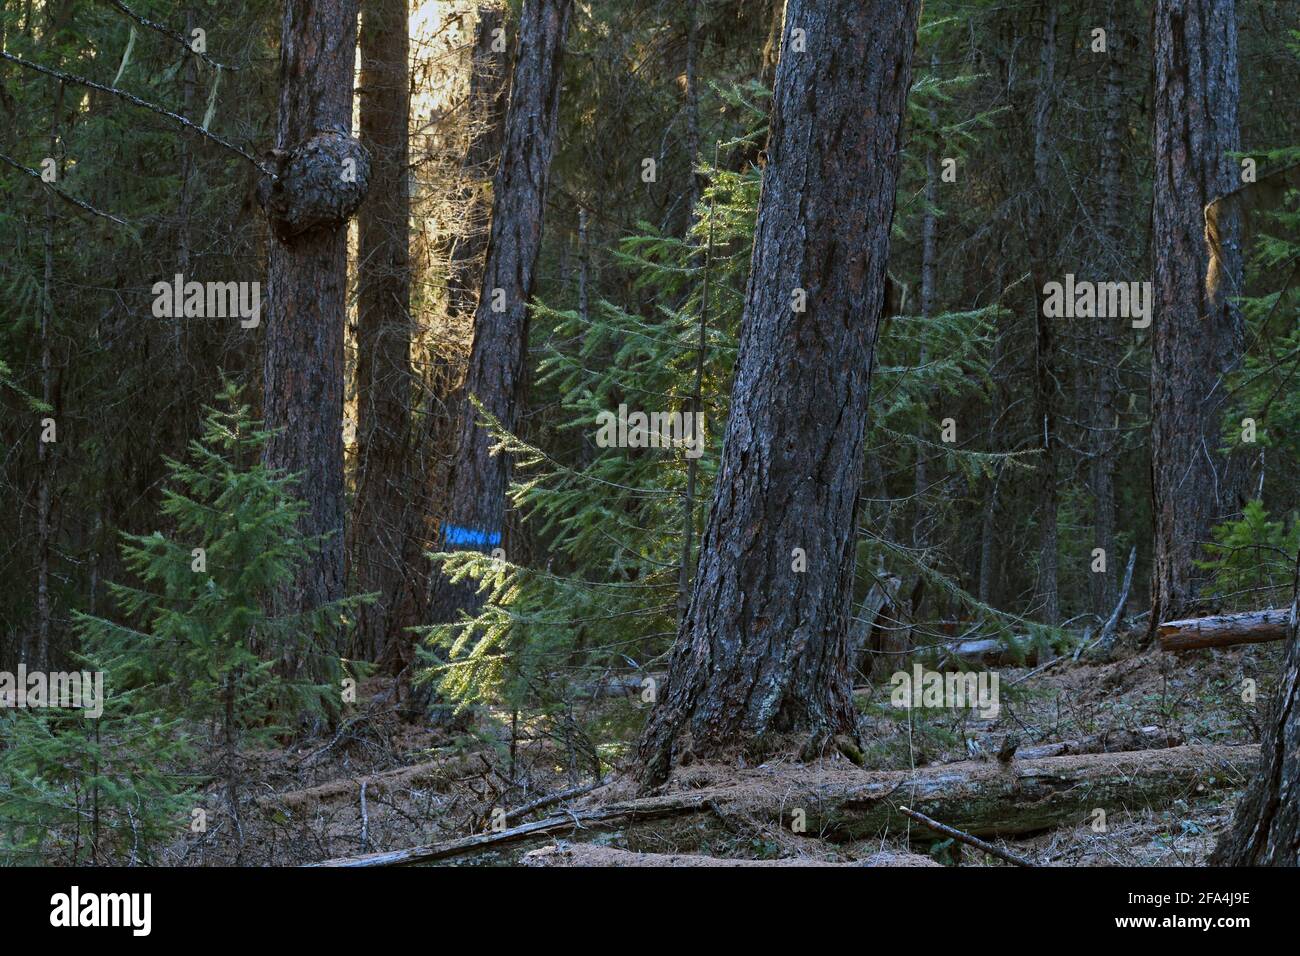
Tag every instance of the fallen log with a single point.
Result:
(990, 798)
(616, 813)
(430, 773)
(840, 802)
(588, 854)
(1107, 742)
(1224, 630)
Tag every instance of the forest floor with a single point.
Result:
(382, 783)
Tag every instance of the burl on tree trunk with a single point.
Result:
(763, 648)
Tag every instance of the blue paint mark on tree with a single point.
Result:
(455, 536)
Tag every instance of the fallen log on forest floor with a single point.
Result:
(588, 854)
(840, 802)
(429, 773)
(1107, 742)
(1224, 630)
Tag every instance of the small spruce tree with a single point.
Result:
(197, 637)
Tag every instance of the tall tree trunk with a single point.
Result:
(1266, 827)
(485, 113)
(379, 521)
(1105, 430)
(764, 649)
(476, 504)
(921, 517)
(692, 105)
(1041, 263)
(188, 143)
(45, 452)
(1197, 333)
(308, 205)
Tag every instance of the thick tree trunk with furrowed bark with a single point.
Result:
(308, 206)
(1197, 333)
(476, 504)
(764, 649)
(1266, 828)
(379, 524)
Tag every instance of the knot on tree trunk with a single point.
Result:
(319, 184)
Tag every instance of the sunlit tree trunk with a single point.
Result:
(476, 504)
(379, 523)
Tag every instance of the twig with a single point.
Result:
(365, 818)
(550, 799)
(170, 33)
(1107, 638)
(136, 101)
(963, 837)
(343, 729)
(59, 192)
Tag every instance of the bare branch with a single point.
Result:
(169, 33)
(60, 193)
(962, 836)
(136, 101)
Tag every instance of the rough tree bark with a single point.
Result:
(378, 523)
(763, 650)
(476, 504)
(1197, 333)
(321, 177)
(1266, 827)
